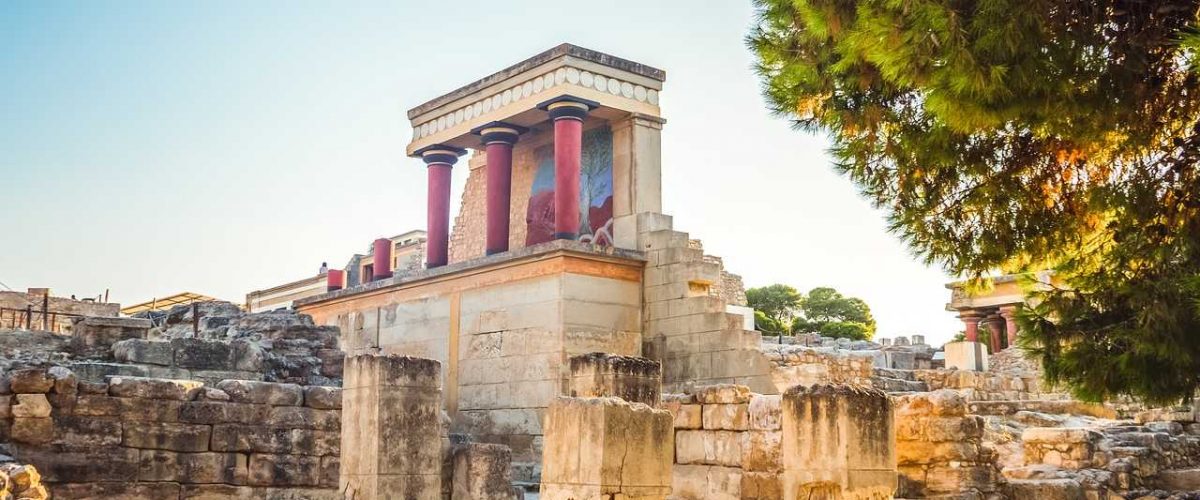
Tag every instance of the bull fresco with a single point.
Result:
(595, 192)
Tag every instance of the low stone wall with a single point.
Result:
(145, 438)
(939, 449)
(727, 444)
(793, 365)
(990, 386)
(314, 361)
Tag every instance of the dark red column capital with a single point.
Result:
(568, 113)
(498, 140)
(439, 160)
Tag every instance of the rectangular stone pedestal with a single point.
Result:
(965, 355)
(636, 380)
(838, 442)
(391, 429)
(603, 448)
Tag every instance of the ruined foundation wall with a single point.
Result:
(144, 438)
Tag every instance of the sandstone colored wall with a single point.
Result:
(939, 448)
(142, 438)
(61, 309)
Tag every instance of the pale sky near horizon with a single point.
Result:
(222, 147)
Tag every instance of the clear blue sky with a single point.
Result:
(221, 147)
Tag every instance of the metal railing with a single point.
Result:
(30, 318)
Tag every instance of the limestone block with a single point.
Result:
(63, 465)
(32, 430)
(213, 394)
(323, 398)
(965, 355)
(152, 352)
(482, 472)
(31, 406)
(93, 337)
(87, 432)
(838, 440)
(707, 482)
(330, 468)
(30, 381)
(220, 412)
(1045, 489)
(761, 486)
(765, 412)
(86, 387)
(167, 436)
(255, 392)
(762, 451)
(65, 381)
(722, 394)
(300, 417)
(392, 420)
(275, 440)
(158, 465)
(633, 379)
(231, 492)
(729, 417)
(688, 416)
(283, 470)
(606, 446)
(153, 388)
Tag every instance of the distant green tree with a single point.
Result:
(774, 306)
(829, 313)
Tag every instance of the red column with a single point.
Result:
(1009, 313)
(971, 323)
(381, 262)
(498, 139)
(439, 159)
(568, 114)
(996, 328)
(335, 280)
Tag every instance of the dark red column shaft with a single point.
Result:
(499, 195)
(381, 264)
(335, 280)
(438, 244)
(568, 151)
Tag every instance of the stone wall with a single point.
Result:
(793, 365)
(144, 438)
(939, 447)
(727, 444)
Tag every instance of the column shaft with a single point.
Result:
(971, 323)
(1009, 313)
(437, 246)
(568, 159)
(499, 194)
(381, 259)
(996, 328)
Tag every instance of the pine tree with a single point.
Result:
(1018, 135)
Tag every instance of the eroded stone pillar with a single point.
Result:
(498, 139)
(636, 380)
(839, 442)
(391, 428)
(439, 160)
(568, 113)
(606, 448)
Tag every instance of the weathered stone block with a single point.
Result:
(731, 417)
(274, 440)
(31, 406)
(153, 388)
(761, 486)
(482, 472)
(689, 416)
(250, 391)
(765, 412)
(722, 394)
(30, 381)
(284, 470)
(323, 398)
(230, 492)
(158, 465)
(203, 354)
(838, 440)
(65, 381)
(304, 418)
(761, 451)
(93, 337)
(608, 446)
(709, 447)
(87, 432)
(707, 482)
(123, 491)
(633, 379)
(38, 430)
(167, 436)
(215, 412)
(149, 352)
(60, 466)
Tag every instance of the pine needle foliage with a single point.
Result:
(1016, 135)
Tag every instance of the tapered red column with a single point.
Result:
(381, 263)
(439, 160)
(335, 280)
(1009, 313)
(568, 114)
(498, 139)
(996, 328)
(970, 321)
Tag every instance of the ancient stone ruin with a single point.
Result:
(565, 341)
